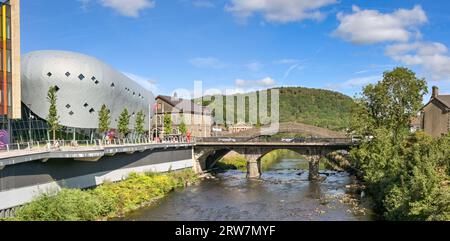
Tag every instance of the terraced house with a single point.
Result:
(435, 115)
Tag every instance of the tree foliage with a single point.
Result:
(182, 127)
(104, 119)
(407, 174)
(52, 117)
(139, 125)
(124, 121)
(167, 124)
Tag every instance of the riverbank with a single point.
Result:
(105, 201)
(235, 161)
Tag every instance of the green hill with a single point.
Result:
(322, 108)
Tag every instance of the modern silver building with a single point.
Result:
(83, 85)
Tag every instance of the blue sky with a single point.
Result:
(242, 44)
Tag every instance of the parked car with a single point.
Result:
(227, 140)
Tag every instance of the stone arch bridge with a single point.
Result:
(208, 151)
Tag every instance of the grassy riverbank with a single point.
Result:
(105, 201)
(238, 162)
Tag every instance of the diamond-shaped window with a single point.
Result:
(93, 78)
(91, 110)
(49, 74)
(86, 105)
(68, 106)
(113, 85)
(96, 82)
(71, 113)
(67, 74)
(56, 88)
(81, 77)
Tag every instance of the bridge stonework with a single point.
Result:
(207, 154)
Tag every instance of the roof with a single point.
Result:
(445, 99)
(185, 105)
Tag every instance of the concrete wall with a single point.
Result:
(435, 121)
(21, 183)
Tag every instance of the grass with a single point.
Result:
(106, 201)
(237, 162)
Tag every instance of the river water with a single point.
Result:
(282, 193)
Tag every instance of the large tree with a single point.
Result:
(139, 125)
(52, 117)
(390, 104)
(124, 121)
(104, 119)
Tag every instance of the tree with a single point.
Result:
(52, 117)
(139, 125)
(182, 127)
(167, 124)
(389, 104)
(104, 119)
(124, 121)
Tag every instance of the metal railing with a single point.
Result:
(275, 140)
(92, 144)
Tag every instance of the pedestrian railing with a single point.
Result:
(86, 144)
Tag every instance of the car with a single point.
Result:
(227, 140)
(287, 139)
(299, 139)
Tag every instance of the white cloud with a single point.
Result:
(354, 83)
(128, 8)
(371, 26)
(268, 81)
(281, 11)
(208, 62)
(254, 66)
(433, 57)
(146, 83)
(287, 61)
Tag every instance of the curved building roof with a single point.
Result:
(84, 84)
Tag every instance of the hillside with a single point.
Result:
(317, 107)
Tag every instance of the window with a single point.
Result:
(49, 74)
(81, 77)
(71, 113)
(56, 88)
(93, 78)
(96, 82)
(68, 106)
(86, 105)
(113, 85)
(67, 74)
(91, 110)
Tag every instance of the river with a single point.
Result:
(282, 193)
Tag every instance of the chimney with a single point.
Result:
(435, 92)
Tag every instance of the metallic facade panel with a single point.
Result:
(15, 52)
(83, 83)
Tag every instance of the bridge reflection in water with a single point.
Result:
(208, 151)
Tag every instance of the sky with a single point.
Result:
(242, 45)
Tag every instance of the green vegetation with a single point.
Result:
(139, 125)
(406, 174)
(105, 201)
(104, 119)
(167, 124)
(236, 161)
(53, 117)
(124, 121)
(322, 108)
(182, 127)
